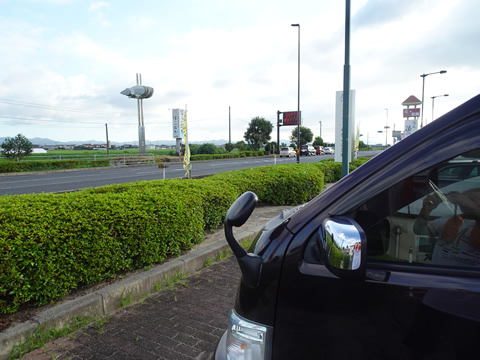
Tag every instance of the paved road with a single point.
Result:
(184, 323)
(68, 181)
(74, 180)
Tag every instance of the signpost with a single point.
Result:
(177, 128)
(339, 128)
(290, 118)
(415, 112)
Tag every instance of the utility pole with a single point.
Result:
(108, 143)
(386, 130)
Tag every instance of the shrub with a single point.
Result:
(8, 167)
(51, 244)
(277, 185)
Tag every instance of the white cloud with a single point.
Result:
(98, 5)
(241, 54)
(139, 22)
(98, 14)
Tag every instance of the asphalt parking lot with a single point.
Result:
(185, 322)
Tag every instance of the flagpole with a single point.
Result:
(187, 166)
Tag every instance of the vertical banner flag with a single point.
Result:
(186, 158)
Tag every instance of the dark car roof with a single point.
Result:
(458, 124)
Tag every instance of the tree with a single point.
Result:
(362, 145)
(240, 145)
(306, 135)
(271, 146)
(229, 147)
(318, 141)
(207, 148)
(258, 132)
(16, 148)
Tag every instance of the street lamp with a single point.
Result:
(433, 102)
(320, 128)
(139, 92)
(298, 100)
(423, 88)
(386, 130)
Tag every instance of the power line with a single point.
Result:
(61, 108)
(167, 123)
(59, 121)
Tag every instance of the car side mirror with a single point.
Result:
(237, 215)
(343, 247)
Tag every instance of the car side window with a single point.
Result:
(431, 218)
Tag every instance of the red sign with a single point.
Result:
(411, 112)
(290, 118)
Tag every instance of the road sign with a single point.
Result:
(411, 112)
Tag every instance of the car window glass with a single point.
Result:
(431, 218)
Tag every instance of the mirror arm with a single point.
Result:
(237, 249)
(237, 215)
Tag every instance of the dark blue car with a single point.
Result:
(384, 264)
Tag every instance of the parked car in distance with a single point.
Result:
(384, 264)
(307, 150)
(329, 150)
(319, 150)
(287, 151)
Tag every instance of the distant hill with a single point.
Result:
(46, 141)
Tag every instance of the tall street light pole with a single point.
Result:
(346, 92)
(320, 129)
(298, 100)
(423, 88)
(433, 103)
(386, 130)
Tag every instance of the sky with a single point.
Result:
(65, 63)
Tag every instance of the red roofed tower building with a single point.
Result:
(411, 115)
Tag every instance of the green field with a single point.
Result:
(92, 153)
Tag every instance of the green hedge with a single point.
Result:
(23, 166)
(226, 155)
(50, 244)
(277, 185)
(7, 166)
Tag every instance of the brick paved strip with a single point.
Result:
(184, 323)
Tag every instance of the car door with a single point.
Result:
(419, 297)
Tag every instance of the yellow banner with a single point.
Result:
(186, 157)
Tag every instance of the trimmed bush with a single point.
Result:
(51, 244)
(11, 166)
(277, 185)
(200, 157)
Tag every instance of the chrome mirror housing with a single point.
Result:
(343, 247)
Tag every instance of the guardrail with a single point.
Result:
(115, 160)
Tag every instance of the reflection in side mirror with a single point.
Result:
(342, 244)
